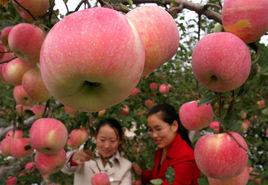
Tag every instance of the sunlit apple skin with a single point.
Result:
(97, 72)
(159, 33)
(248, 19)
(221, 155)
(221, 61)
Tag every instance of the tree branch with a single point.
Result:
(6, 61)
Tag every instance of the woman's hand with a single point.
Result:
(82, 156)
(136, 168)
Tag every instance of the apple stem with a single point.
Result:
(25, 9)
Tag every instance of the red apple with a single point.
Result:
(246, 124)
(14, 133)
(38, 110)
(4, 35)
(164, 88)
(215, 126)
(221, 61)
(25, 40)
(14, 70)
(48, 164)
(159, 33)
(100, 179)
(77, 137)
(240, 179)
(21, 147)
(11, 180)
(48, 135)
(242, 18)
(94, 73)
(261, 104)
(221, 155)
(34, 86)
(149, 103)
(135, 91)
(125, 110)
(5, 146)
(153, 86)
(29, 166)
(37, 8)
(2, 50)
(21, 96)
(194, 116)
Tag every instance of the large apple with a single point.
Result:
(25, 40)
(34, 86)
(48, 135)
(159, 33)
(248, 19)
(194, 116)
(92, 59)
(240, 179)
(21, 147)
(48, 164)
(221, 61)
(14, 70)
(221, 155)
(36, 8)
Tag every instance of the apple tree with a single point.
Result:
(65, 71)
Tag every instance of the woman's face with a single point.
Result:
(160, 131)
(107, 141)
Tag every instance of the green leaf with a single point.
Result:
(156, 181)
(207, 99)
(170, 175)
(262, 55)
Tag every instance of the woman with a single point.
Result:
(109, 136)
(174, 156)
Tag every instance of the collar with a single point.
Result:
(114, 159)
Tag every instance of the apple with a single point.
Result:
(261, 104)
(194, 116)
(11, 180)
(14, 133)
(149, 103)
(153, 86)
(242, 18)
(221, 61)
(48, 135)
(5, 146)
(21, 147)
(97, 72)
(37, 8)
(100, 179)
(77, 137)
(125, 110)
(4, 35)
(29, 166)
(159, 33)
(246, 124)
(14, 70)
(240, 179)
(221, 155)
(34, 86)
(164, 88)
(2, 50)
(38, 110)
(25, 40)
(70, 111)
(21, 96)
(48, 164)
(135, 91)
(215, 126)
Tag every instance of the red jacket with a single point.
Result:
(180, 156)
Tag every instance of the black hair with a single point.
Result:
(169, 115)
(114, 124)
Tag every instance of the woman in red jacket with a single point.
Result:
(174, 154)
